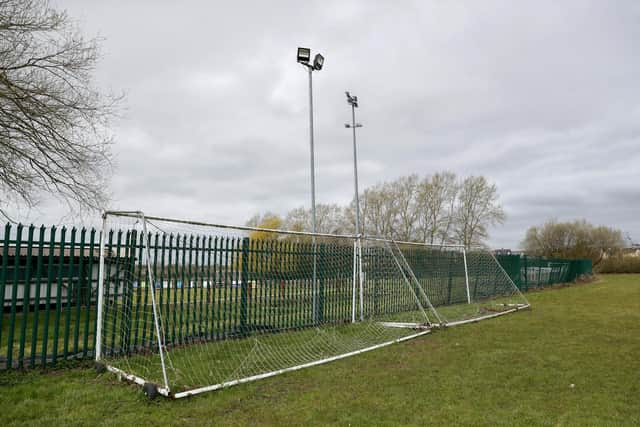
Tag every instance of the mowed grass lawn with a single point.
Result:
(513, 370)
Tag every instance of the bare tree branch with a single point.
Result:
(53, 122)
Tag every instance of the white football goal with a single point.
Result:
(186, 307)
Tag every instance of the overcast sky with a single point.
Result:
(542, 98)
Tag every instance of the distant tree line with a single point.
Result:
(576, 239)
(436, 209)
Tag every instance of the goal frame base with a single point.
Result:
(163, 391)
(517, 307)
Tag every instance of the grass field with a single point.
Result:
(513, 370)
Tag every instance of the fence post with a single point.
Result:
(36, 304)
(89, 327)
(321, 283)
(3, 272)
(244, 284)
(127, 290)
(450, 280)
(14, 297)
(526, 274)
(78, 290)
(26, 298)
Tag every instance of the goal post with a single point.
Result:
(186, 307)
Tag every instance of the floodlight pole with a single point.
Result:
(353, 127)
(304, 56)
(313, 172)
(313, 194)
(353, 101)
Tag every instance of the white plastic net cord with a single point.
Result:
(194, 307)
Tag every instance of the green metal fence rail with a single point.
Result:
(204, 287)
(529, 272)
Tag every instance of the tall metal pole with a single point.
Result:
(313, 196)
(353, 101)
(304, 57)
(355, 167)
(313, 173)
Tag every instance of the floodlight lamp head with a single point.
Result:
(318, 62)
(347, 125)
(304, 55)
(352, 100)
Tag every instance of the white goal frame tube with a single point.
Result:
(409, 325)
(135, 214)
(466, 274)
(137, 380)
(488, 316)
(98, 349)
(152, 285)
(295, 368)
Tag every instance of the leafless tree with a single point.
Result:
(379, 210)
(437, 210)
(403, 194)
(436, 201)
(477, 209)
(329, 219)
(53, 121)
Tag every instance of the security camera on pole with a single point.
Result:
(353, 101)
(304, 58)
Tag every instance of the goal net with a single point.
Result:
(187, 307)
(464, 285)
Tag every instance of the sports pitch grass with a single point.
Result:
(571, 360)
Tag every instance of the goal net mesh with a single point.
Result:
(194, 307)
(463, 285)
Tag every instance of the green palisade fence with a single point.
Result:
(48, 282)
(529, 272)
(205, 288)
